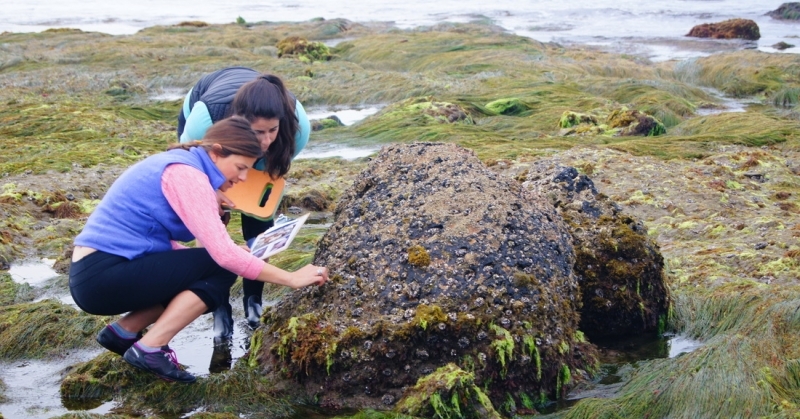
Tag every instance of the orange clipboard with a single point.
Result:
(258, 196)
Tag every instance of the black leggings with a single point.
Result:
(106, 284)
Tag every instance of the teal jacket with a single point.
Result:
(210, 100)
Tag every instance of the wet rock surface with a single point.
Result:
(620, 269)
(434, 259)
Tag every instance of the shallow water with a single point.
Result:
(323, 151)
(33, 272)
(620, 358)
(728, 104)
(347, 116)
(679, 345)
(168, 94)
(33, 386)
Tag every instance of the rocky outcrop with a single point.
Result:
(620, 269)
(786, 11)
(780, 46)
(435, 260)
(332, 121)
(729, 29)
(303, 49)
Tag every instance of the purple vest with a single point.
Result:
(134, 218)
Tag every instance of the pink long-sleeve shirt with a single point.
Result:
(188, 193)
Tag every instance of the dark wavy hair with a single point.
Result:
(233, 134)
(267, 97)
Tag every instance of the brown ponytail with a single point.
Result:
(233, 134)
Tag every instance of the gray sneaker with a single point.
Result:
(109, 339)
(163, 363)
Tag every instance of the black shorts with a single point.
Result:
(106, 284)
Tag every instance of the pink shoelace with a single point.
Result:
(171, 355)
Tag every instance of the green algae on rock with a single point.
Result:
(509, 106)
(621, 270)
(426, 110)
(618, 122)
(386, 319)
(303, 50)
(449, 392)
(332, 121)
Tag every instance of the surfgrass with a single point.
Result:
(43, 329)
(747, 366)
(741, 73)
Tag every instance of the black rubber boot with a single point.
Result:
(223, 323)
(252, 302)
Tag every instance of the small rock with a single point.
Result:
(729, 29)
(780, 46)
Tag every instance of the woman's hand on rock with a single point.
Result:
(309, 275)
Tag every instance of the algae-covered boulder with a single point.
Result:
(434, 260)
(303, 49)
(427, 110)
(508, 106)
(619, 121)
(332, 121)
(786, 11)
(621, 270)
(728, 29)
(632, 122)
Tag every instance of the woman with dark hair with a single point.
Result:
(127, 258)
(281, 123)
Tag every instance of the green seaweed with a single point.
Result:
(448, 392)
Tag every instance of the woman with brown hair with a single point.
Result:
(283, 128)
(127, 258)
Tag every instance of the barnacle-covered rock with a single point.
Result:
(621, 270)
(434, 259)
